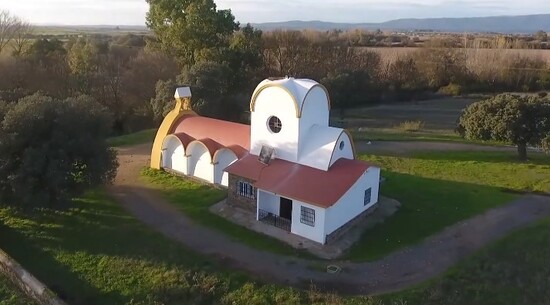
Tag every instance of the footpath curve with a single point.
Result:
(394, 272)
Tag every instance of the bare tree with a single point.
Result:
(21, 32)
(8, 24)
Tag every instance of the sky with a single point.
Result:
(132, 12)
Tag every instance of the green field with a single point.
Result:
(194, 199)
(95, 253)
(435, 189)
(512, 271)
(10, 295)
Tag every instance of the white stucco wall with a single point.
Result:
(268, 202)
(223, 158)
(277, 102)
(352, 203)
(200, 163)
(315, 111)
(315, 233)
(173, 155)
(346, 152)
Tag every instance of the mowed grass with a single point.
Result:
(95, 253)
(514, 270)
(140, 137)
(10, 295)
(439, 189)
(194, 199)
(392, 134)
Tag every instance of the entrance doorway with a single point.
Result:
(285, 210)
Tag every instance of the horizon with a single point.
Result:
(294, 20)
(132, 12)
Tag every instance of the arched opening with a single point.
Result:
(199, 161)
(222, 159)
(173, 155)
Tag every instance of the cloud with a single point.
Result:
(133, 11)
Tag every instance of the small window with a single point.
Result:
(342, 145)
(274, 124)
(245, 189)
(368, 194)
(307, 216)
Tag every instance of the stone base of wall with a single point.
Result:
(350, 224)
(32, 287)
(233, 197)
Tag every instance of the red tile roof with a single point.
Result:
(300, 182)
(215, 134)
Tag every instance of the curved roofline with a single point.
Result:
(336, 145)
(277, 85)
(352, 143)
(214, 158)
(172, 136)
(204, 145)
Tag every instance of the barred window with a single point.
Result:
(368, 194)
(307, 216)
(245, 189)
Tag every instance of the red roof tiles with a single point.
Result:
(300, 182)
(215, 134)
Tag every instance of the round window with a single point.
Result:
(342, 145)
(274, 124)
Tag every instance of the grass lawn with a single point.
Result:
(436, 190)
(424, 135)
(440, 189)
(95, 253)
(194, 199)
(10, 295)
(140, 137)
(514, 270)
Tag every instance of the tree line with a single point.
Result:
(134, 75)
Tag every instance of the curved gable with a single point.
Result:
(297, 90)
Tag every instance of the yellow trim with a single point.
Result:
(276, 85)
(272, 85)
(352, 143)
(310, 89)
(172, 117)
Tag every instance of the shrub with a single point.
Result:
(52, 150)
(411, 126)
(451, 89)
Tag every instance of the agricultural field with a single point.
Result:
(440, 114)
(389, 54)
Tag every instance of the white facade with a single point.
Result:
(292, 117)
(222, 159)
(173, 155)
(353, 202)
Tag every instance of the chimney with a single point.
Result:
(183, 98)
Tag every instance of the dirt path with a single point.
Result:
(396, 271)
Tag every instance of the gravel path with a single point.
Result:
(396, 271)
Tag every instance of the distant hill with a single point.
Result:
(497, 24)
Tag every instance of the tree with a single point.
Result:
(189, 29)
(541, 36)
(52, 150)
(163, 102)
(521, 120)
(21, 41)
(546, 144)
(213, 94)
(8, 25)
